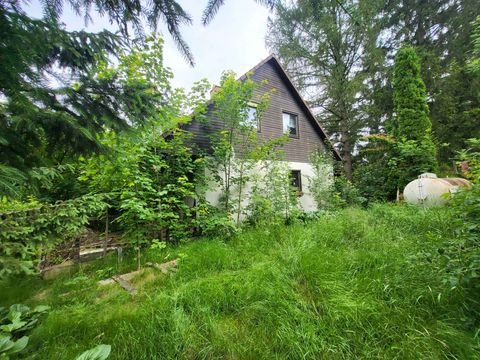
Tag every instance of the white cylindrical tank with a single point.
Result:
(429, 190)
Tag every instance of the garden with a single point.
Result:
(110, 249)
(368, 283)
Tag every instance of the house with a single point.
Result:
(287, 112)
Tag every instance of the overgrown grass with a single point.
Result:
(359, 284)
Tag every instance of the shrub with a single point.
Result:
(321, 184)
(346, 194)
(213, 222)
(27, 232)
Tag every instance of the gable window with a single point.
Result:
(290, 124)
(296, 180)
(252, 119)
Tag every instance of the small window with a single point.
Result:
(290, 124)
(252, 119)
(296, 179)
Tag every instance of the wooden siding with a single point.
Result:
(284, 99)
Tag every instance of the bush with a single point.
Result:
(213, 222)
(461, 254)
(346, 194)
(27, 232)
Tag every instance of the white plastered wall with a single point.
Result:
(306, 200)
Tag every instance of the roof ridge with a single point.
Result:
(302, 101)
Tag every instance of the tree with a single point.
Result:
(54, 104)
(149, 171)
(38, 121)
(410, 98)
(236, 146)
(49, 125)
(214, 5)
(410, 126)
(440, 32)
(474, 61)
(321, 43)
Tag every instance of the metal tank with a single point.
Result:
(429, 190)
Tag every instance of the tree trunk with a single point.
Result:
(240, 194)
(347, 165)
(347, 156)
(105, 241)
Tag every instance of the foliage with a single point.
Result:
(236, 146)
(414, 151)
(409, 159)
(10, 179)
(442, 41)
(213, 222)
(355, 284)
(474, 62)
(61, 89)
(15, 323)
(99, 352)
(372, 172)
(346, 194)
(410, 98)
(455, 112)
(321, 183)
(354, 102)
(273, 200)
(461, 255)
(49, 126)
(471, 158)
(214, 5)
(29, 230)
(149, 171)
(9, 347)
(38, 122)
(325, 60)
(19, 319)
(126, 14)
(148, 179)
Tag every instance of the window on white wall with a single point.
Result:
(290, 124)
(296, 180)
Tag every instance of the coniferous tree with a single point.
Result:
(440, 32)
(411, 119)
(55, 99)
(414, 151)
(321, 44)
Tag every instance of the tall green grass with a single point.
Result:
(358, 284)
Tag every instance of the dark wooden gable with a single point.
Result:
(285, 98)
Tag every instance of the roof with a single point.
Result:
(294, 91)
(274, 61)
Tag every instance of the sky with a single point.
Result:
(234, 40)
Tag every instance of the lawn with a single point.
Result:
(355, 284)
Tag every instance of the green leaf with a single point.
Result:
(5, 344)
(19, 345)
(8, 346)
(99, 352)
(16, 322)
(41, 308)
(19, 308)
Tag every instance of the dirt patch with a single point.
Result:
(41, 295)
